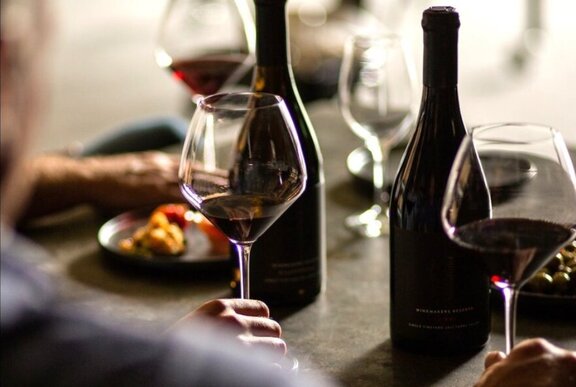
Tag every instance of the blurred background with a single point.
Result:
(517, 60)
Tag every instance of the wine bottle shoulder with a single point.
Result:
(278, 80)
(418, 189)
(428, 158)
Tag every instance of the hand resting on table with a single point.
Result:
(534, 362)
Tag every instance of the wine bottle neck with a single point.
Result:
(440, 59)
(440, 25)
(271, 33)
(444, 99)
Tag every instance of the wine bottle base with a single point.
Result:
(274, 299)
(438, 347)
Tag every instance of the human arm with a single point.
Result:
(534, 362)
(69, 345)
(109, 183)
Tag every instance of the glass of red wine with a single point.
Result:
(376, 98)
(242, 166)
(206, 44)
(527, 172)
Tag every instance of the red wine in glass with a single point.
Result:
(207, 74)
(206, 44)
(242, 166)
(244, 217)
(532, 186)
(513, 250)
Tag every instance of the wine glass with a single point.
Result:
(206, 44)
(242, 167)
(529, 177)
(376, 98)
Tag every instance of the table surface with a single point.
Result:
(344, 333)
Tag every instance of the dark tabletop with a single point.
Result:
(344, 333)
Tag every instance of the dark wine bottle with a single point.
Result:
(287, 263)
(439, 296)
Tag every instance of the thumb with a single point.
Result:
(493, 358)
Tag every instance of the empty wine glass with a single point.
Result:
(242, 167)
(376, 97)
(529, 177)
(206, 44)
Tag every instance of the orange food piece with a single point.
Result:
(158, 237)
(176, 213)
(163, 234)
(219, 241)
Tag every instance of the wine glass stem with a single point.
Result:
(243, 250)
(510, 299)
(379, 159)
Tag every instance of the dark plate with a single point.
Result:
(199, 254)
(548, 299)
(542, 305)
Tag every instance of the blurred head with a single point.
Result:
(22, 34)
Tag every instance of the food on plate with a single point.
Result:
(164, 233)
(558, 277)
(176, 213)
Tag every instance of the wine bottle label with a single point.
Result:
(436, 290)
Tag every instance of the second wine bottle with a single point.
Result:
(438, 300)
(288, 262)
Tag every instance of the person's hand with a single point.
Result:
(534, 362)
(248, 320)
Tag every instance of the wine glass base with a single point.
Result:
(371, 223)
(289, 363)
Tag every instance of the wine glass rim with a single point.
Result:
(479, 132)
(212, 102)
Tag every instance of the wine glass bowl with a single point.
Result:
(242, 166)
(376, 98)
(527, 172)
(206, 44)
